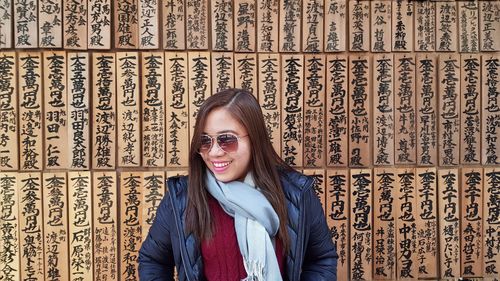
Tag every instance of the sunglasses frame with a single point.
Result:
(213, 139)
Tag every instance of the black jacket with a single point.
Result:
(312, 255)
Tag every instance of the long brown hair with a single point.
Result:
(265, 162)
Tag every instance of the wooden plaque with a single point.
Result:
(319, 184)
(359, 26)
(491, 227)
(30, 111)
(337, 103)
(99, 29)
(9, 222)
(104, 111)
(427, 111)
(6, 20)
(9, 119)
(223, 71)
(402, 26)
(79, 110)
(468, 26)
(128, 102)
(75, 14)
(489, 26)
(55, 227)
(200, 84)
(490, 104)
(313, 20)
(267, 25)
(245, 72)
(337, 216)
(381, 23)
(25, 23)
(335, 25)
(149, 23)
(292, 109)
(359, 111)
(425, 26)
(55, 110)
(80, 226)
(153, 192)
(197, 24)
(449, 106)
(290, 25)
(269, 96)
(173, 25)
(446, 26)
(383, 106)
(50, 29)
(153, 110)
(245, 25)
(105, 212)
(384, 224)
(174, 174)
(221, 14)
(126, 24)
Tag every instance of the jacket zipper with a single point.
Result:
(300, 245)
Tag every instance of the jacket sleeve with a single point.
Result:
(320, 261)
(156, 259)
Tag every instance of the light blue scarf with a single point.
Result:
(255, 222)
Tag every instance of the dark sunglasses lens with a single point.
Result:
(206, 143)
(228, 142)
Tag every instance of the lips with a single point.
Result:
(220, 166)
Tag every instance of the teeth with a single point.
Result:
(221, 165)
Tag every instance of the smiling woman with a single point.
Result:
(243, 213)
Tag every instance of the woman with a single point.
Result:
(242, 214)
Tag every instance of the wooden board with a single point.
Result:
(381, 24)
(30, 111)
(55, 227)
(269, 96)
(173, 25)
(446, 26)
(245, 72)
(290, 25)
(337, 103)
(177, 103)
(197, 24)
(468, 26)
(9, 118)
(153, 109)
(245, 25)
(335, 25)
(359, 26)
(425, 26)
(153, 187)
(221, 14)
(9, 222)
(491, 227)
(489, 26)
(55, 110)
(313, 20)
(99, 29)
(75, 15)
(267, 25)
(149, 23)
(223, 71)
(319, 184)
(383, 109)
(6, 20)
(25, 23)
(50, 24)
(104, 111)
(79, 110)
(490, 104)
(402, 26)
(200, 84)
(126, 24)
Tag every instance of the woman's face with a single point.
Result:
(227, 166)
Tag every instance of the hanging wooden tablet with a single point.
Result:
(337, 216)
(406, 227)
(381, 23)
(425, 26)
(80, 226)
(9, 159)
(292, 105)
(197, 24)
(359, 26)
(105, 209)
(427, 111)
(149, 33)
(6, 20)
(131, 210)
(269, 96)
(223, 71)
(472, 222)
(337, 102)
(78, 101)
(449, 110)
(449, 224)
(222, 21)
(405, 127)
(319, 184)
(9, 223)
(267, 25)
(55, 227)
(31, 224)
(383, 106)
(174, 174)
(313, 19)
(335, 25)
(402, 26)
(489, 26)
(30, 111)
(128, 102)
(361, 224)
(290, 25)
(468, 26)
(50, 29)
(359, 108)
(491, 226)
(173, 25)
(75, 13)
(314, 111)
(177, 113)
(490, 104)
(56, 110)
(427, 223)
(99, 30)
(25, 24)
(384, 224)
(153, 192)
(104, 111)
(153, 109)
(470, 111)
(446, 26)
(245, 25)
(245, 72)
(200, 84)
(126, 22)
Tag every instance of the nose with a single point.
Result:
(215, 150)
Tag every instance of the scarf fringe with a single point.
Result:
(255, 271)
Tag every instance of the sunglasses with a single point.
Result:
(228, 142)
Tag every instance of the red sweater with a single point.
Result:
(221, 255)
